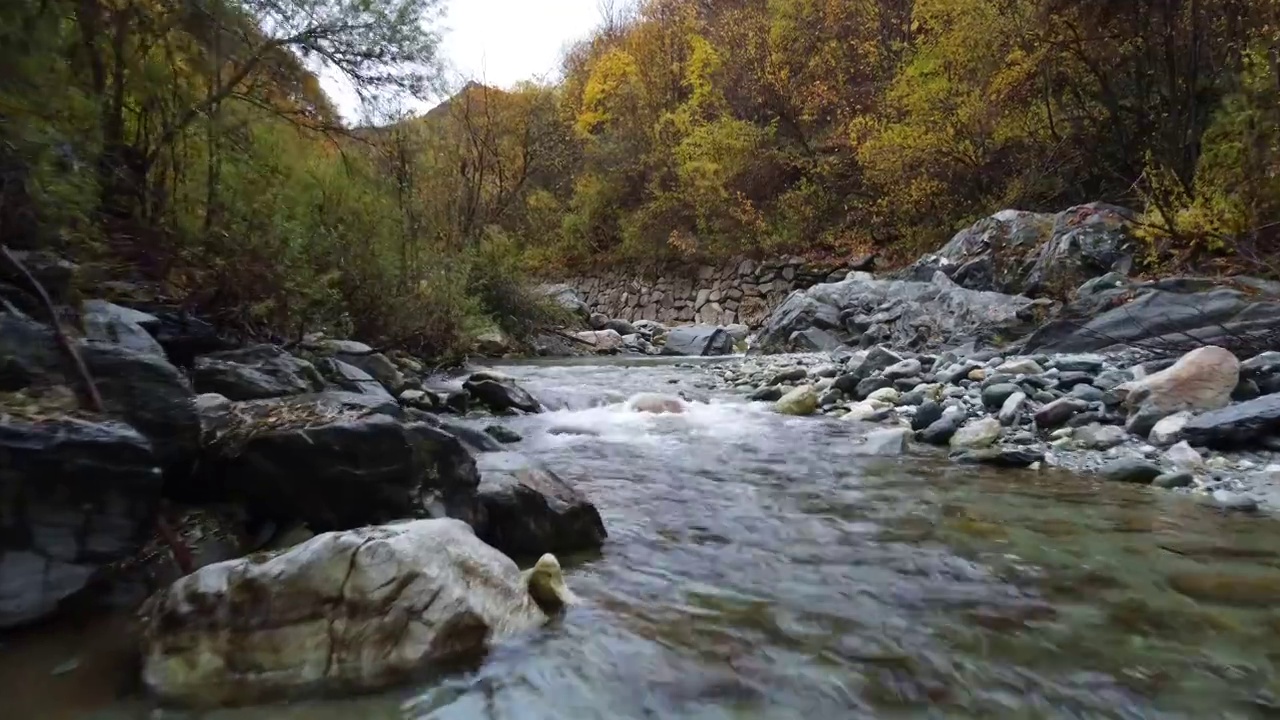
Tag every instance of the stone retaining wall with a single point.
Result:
(738, 291)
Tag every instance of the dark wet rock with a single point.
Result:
(55, 274)
(255, 373)
(940, 431)
(1245, 390)
(1130, 470)
(503, 434)
(1059, 411)
(183, 335)
(527, 510)
(1087, 393)
(1174, 315)
(501, 395)
(334, 461)
(1002, 456)
(698, 340)
(994, 396)
(108, 322)
(1091, 364)
(928, 413)
(1176, 479)
(797, 313)
(75, 496)
(1242, 424)
(878, 360)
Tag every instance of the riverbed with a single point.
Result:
(758, 566)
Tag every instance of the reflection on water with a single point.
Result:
(758, 568)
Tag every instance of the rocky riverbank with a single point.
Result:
(1172, 426)
(144, 456)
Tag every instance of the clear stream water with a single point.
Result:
(757, 567)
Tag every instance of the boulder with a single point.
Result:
(1169, 315)
(698, 340)
(800, 401)
(351, 378)
(183, 335)
(111, 323)
(501, 395)
(1130, 470)
(567, 298)
(901, 313)
(75, 496)
(1059, 412)
(342, 612)
(1000, 456)
(1026, 253)
(493, 343)
(334, 461)
(1242, 424)
(527, 510)
(142, 388)
(602, 341)
(1201, 380)
(255, 373)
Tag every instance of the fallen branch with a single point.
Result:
(574, 338)
(90, 390)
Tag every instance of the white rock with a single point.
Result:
(1020, 366)
(800, 401)
(1184, 457)
(1167, 431)
(889, 441)
(885, 395)
(977, 434)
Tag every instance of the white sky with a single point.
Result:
(499, 42)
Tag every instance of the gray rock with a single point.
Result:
(1020, 366)
(1059, 412)
(527, 510)
(1087, 393)
(902, 369)
(767, 394)
(1176, 479)
(350, 378)
(1239, 502)
(994, 396)
(75, 496)
(1091, 364)
(259, 372)
(788, 376)
(361, 610)
(1130, 470)
(107, 322)
(1011, 410)
(814, 340)
(698, 340)
(870, 385)
(1183, 456)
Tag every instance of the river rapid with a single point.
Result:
(759, 567)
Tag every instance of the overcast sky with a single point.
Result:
(500, 42)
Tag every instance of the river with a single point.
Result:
(758, 567)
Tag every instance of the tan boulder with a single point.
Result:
(1201, 380)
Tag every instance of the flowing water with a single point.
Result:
(758, 567)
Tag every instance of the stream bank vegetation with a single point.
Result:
(190, 144)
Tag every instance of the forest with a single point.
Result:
(189, 143)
